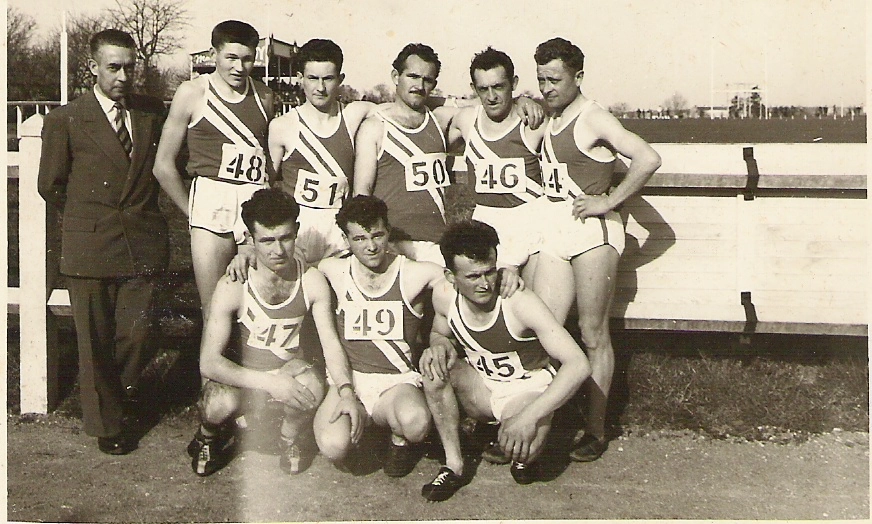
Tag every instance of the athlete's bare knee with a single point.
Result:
(414, 423)
(217, 402)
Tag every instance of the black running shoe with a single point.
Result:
(588, 449)
(446, 484)
(291, 461)
(400, 460)
(211, 453)
(493, 453)
(524, 473)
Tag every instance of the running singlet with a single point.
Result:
(568, 172)
(319, 168)
(505, 170)
(411, 179)
(269, 335)
(495, 351)
(378, 332)
(229, 141)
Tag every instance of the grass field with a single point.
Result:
(786, 387)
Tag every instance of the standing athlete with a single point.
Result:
(250, 356)
(585, 235)
(506, 375)
(312, 149)
(224, 117)
(502, 161)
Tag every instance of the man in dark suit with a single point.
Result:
(96, 165)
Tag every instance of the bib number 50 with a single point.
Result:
(426, 171)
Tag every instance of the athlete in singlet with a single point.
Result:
(380, 297)
(250, 356)
(401, 157)
(506, 375)
(585, 236)
(502, 161)
(223, 116)
(312, 149)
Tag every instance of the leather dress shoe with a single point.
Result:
(116, 445)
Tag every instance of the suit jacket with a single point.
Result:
(112, 225)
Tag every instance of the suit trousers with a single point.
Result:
(113, 318)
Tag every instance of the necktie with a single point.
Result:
(121, 129)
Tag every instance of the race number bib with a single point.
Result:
(273, 334)
(314, 190)
(374, 320)
(497, 366)
(426, 171)
(242, 164)
(555, 179)
(503, 175)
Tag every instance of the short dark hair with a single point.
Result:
(114, 37)
(269, 207)
(560, 49)
(422, 51)
(234, 32)
(489, 59)
(469, 238)
(320, 50)
(363, 210)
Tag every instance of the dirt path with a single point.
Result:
(55, 473)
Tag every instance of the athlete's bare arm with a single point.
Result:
(439, 358)
(225, 305)
(175, 129)
(367, 145)
(643, 161)
(574, 369)
(282, 133)
(321, 298)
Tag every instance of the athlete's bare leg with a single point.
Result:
(552, 282)
(514, 407)
(403, 408)
(464, 383)
(294, 420)
(210, 255)
(595, 275)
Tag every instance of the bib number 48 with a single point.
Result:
(242, 164)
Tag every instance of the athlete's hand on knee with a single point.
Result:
(288, 390)
(530, 112)
(437, 360)
(352, 407)
(510, 281)
(590, 206)
(237, 269)
(516, 436)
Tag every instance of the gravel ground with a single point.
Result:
(55, 473)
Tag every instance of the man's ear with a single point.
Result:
(578, 76)
(395, 76)
(93, 66)
(341, 77)
(449, 276)
(515, 83)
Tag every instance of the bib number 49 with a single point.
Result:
(376, 320)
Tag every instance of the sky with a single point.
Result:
(639, 52)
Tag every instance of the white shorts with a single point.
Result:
(369, 387)
(217, 206)
(422, 251)
(504, 392)
(319, 236)
(564, 236)
(519, 229)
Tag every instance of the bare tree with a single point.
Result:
(675, 104)
(156, 27)
(619, 109)
(19, 33)
(380, 93)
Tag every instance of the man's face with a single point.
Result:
(368, 245)
(113, 69)
(233, 63)
(494, 89)
(475, 280)
(416, 81)
(274, 246)
(558, 84)
(321, 81)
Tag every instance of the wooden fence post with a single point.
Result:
(39, 347)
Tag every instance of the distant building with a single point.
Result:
(714, 112)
